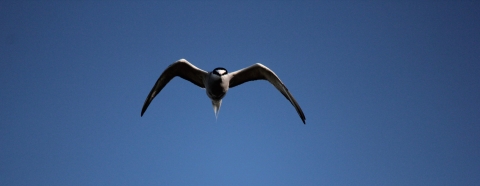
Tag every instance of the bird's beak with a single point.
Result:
(216, 107)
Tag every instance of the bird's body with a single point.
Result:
(216, 87)
(217, 82)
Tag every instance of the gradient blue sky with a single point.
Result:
(390, 90)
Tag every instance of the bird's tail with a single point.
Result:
(216, 107)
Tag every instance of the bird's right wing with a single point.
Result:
(181, 68)
(261, 72)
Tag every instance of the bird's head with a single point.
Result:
(220, 71)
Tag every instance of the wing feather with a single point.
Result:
(181, 68)
(261, 72)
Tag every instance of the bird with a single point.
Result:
(218, 81)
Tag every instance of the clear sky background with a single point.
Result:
(390, 90)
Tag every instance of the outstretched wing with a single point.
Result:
(261, 72)
(181, 68)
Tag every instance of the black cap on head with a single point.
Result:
(220, 71)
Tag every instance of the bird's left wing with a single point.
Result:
(181, 68)
(259, 72)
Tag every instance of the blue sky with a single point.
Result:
(390, 91)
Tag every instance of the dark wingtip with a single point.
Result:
(143, 110)
(145, 106)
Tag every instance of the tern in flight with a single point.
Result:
(217, 82)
